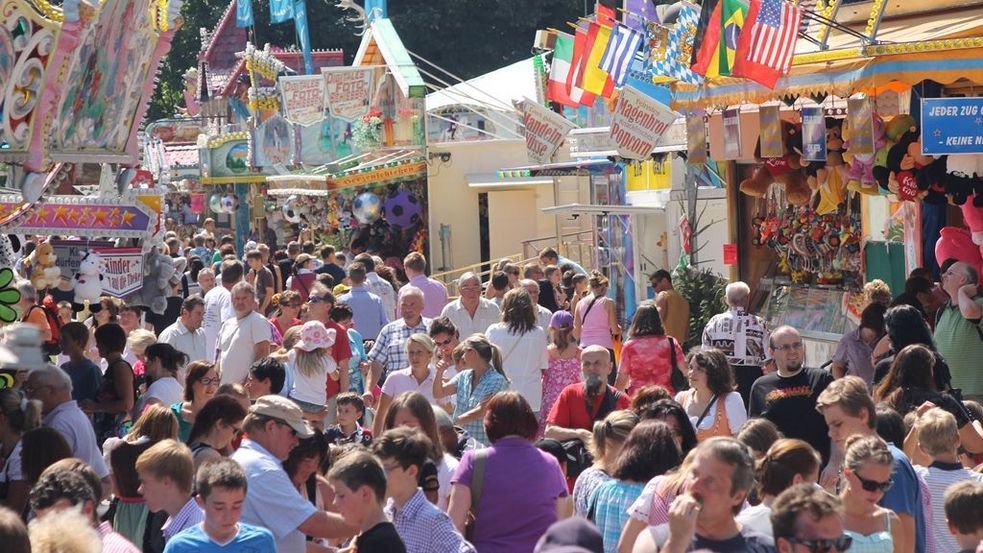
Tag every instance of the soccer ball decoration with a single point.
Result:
(291, 210)
(367, 208)
(403, 210)
(215, 203)
(229, 203)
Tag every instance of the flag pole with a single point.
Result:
(809, 14)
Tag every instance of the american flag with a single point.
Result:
(765, 52)
(620, 51)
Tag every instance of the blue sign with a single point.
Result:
(813, 133)
(952, 126)
(244, 13)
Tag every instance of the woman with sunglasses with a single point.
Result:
(287, 315)
(866, 476)
(216, 426)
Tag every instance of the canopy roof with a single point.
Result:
(494, 90)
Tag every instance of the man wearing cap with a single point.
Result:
(273, 427)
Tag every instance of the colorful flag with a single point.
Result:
(606, 12)
(594, 79)
(706, 47)
(732, 14)
(670, 49)
(303, 34)
(557, 89)
(575, 76)
(765, 52)
(639, 12)
(620, 52)
(244, 13)
(281, 10)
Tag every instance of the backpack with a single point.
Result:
(579, 457)
(50, 309)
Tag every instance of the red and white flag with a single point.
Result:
(765, 49)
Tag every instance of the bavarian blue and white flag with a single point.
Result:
(620, 52)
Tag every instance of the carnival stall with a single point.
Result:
(858, 139)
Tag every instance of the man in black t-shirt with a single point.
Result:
(788, 396)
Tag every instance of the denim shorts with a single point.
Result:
(308, 407)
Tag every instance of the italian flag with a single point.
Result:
(561, 87)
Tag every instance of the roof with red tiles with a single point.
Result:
(225, 41)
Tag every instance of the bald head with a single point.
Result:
(737, 294)
(595, 362)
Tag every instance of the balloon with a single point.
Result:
(403, 210)
(957, 243)
(367, 208)
(215, 203)
(229, 203)
(290, 210)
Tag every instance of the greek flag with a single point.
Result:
(620, 51)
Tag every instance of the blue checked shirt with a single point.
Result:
(390, 347)
(467, 399)
(609, 506)
(426, 529)
(188, 516)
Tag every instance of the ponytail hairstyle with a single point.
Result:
(784, 459)
(611, 433)
(597, 281)
(22, 414)
(488, 351)
(860, 449)
(171, 359)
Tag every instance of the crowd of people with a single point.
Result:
(307, 399)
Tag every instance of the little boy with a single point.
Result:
(350, 410)
(938, 437)
(266, 376)
(423, 527)
(86, 376)
(221, 488)
(359, 484)
(964, 513)
(166, 470)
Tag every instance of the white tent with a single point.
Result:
(494, 90)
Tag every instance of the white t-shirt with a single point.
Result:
(524, 358)
(13, 469)
(733, 406)
(445, 469)
(313, 388)
(236, 342)
(218, 308)
(167, 391)
(403, 381)
(757, 518)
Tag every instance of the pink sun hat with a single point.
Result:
(314, 335)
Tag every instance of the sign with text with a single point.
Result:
(813, 133)
(640, 123)
(730, 254)
(348, 91)
(772, 143)
(696, 137)
(732, 133)
(860, 117)
(952, 126)
(123, 270)
(545, 130)
(70, 253)
(303, 98)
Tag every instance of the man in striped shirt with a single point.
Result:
(166, 470)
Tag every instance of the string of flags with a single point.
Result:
(682, 42)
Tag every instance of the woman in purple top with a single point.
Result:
(514, 507)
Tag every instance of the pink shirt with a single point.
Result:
(434, 295)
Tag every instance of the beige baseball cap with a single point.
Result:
(279, 407)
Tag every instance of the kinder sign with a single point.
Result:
(639, 124)
(123, 270)
(70, 253)
(348, 91)
(545, 130)
(303, 98)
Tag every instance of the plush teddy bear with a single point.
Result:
(158, 271)
(44, 272)
(786, 170)
(965, 179)
(88, 279)
(902, 170)
(860, 176)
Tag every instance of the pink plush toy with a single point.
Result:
(957, 243)
(860, 176)
(973, 216)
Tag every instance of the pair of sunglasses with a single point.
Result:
(874, 485)
(841, 543)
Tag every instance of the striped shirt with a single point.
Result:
(938, 477)
(961, 344)
(188, 516)
(609, 505)
(424, 528)
(113, 542)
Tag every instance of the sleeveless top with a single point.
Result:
(720, 427)
(878, 542)
(595, 327)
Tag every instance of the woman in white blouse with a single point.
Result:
(523, 346)
(713, 406)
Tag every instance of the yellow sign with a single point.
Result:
(649, 175)
(380, 175)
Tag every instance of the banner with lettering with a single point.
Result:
(640, 123)
(545, 130)
(813, 133)
(860, 117)
(348, 91)
(303, 98)
(732, 133)
(70, 253)
(123, 270)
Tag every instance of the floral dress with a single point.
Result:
(560, 374)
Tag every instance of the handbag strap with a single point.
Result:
(705, 411)
(587, 311)
(478, 477)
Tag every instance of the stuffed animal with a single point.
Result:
(44, 272)
(957, 243)
(159, 269)
(786, 170)
(830, 179)
(902, 180)
(88, 279)
(965, 179)
(860, 176)
(10, 250)
(973, 217)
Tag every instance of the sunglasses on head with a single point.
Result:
(874, 485)
(841, 543)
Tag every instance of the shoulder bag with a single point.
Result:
(477, 483)
(676, 376)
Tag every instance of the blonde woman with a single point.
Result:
(609, 435)
(595, 322)
(866, 476)
(418, 377)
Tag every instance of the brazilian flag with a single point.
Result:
(732, 14)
